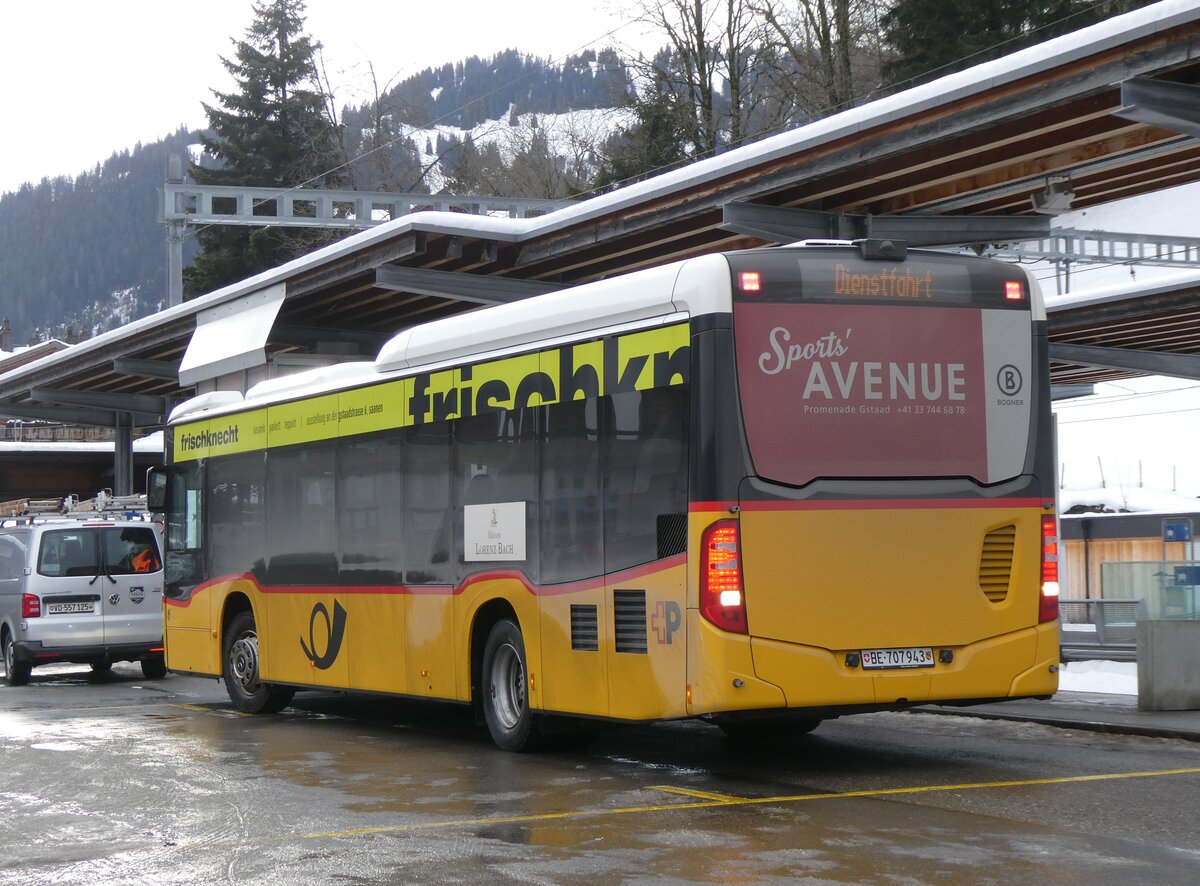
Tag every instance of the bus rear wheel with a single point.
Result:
(246, 689)
(505, 682)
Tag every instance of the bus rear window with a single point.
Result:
(883, 386)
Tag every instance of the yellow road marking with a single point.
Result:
(702, 795)
(718, 801)
(201, 709)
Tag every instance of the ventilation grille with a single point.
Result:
(629, 611)
(585, 634)
(995, 562)
(672, 534)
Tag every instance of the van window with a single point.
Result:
(127, 550)
(66, 552)
(130, 550)
(12, 557)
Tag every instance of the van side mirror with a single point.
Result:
(156, 490)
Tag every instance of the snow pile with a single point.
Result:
(1116, 500)
(1111, 677)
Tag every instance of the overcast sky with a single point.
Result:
(86, 78)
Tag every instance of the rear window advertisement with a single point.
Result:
(882, 391)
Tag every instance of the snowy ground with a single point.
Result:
(1114, 677)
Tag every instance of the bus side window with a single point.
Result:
(237, 536)
(301, 525)
(495, 461)
(572, 534)
(645, 475)
(370, 498)
(427, 536)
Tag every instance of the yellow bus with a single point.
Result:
(764, 488)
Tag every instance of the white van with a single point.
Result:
(76, 591)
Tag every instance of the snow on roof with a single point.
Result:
(1120, 291)
(152, 443)
(981, 78)
(1139, 500)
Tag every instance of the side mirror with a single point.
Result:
(156, 490)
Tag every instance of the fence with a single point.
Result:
(1100, 629)
(1107, 629)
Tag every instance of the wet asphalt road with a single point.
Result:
(117, 779)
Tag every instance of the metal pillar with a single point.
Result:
(123, 456)
(175, 232)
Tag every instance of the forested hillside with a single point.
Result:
(82, 255)
(86, 254)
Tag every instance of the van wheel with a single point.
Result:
(15, 673)
(506, 689)
(154, 668)
(101, 667)
(246, 690)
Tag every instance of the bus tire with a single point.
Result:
(154, 667)
(246, 689)
(505, 682)
(15, 673)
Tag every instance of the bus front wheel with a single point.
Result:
(506, 688)
(246, 689)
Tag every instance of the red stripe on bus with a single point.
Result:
(894, 504)
(572, 587)
(874, 504)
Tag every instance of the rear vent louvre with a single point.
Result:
(629, 612)
(585, 633)
(995, 562)
(672, 534)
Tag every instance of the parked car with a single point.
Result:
(80, 591)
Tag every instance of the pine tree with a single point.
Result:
(273, 131)
(657, 140)
(931, 38)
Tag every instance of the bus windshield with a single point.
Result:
(913, 368)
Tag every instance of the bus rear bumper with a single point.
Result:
(1016, 665)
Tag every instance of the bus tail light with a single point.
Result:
(1048, 607)
(722, 594)
(31, 606)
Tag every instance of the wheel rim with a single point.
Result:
(508, 686)
(243, 662)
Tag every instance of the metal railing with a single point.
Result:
(1099, 629)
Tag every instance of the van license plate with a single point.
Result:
(75, 608)
(905, 657)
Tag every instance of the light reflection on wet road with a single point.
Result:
(121, 780)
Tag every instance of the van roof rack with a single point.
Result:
(102, 506)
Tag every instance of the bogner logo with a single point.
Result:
(334, 631)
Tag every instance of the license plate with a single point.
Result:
(77, 608)
(904, 657)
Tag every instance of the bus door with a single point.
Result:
(645, 539)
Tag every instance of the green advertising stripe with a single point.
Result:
(636, 361)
